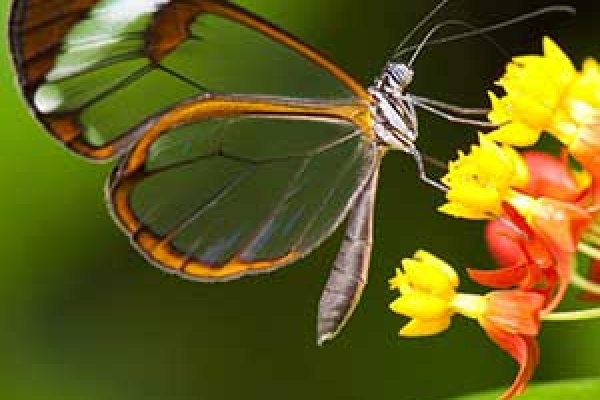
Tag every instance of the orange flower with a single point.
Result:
(534, 242)
(510, 318)
(492, 180)
(512, 322)
(524, 260)
(551, 176)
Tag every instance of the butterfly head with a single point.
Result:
(397, 76)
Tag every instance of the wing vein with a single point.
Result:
(230, 185)
(54, 19)
(289, 192)
(342, 172)
(117, 87)
(181, 77)
(269, 218)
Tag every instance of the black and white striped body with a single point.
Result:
(394, 117)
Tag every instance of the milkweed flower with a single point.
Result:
(491, 181)
(525, 262)
(541, 232)
(546, 93)
(541, 213)
(523, 259)
(551, 176)
(535, 86)
(510, 318)
(537, 220)
(480, 182)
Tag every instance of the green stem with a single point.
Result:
(589, 251)
(584, 284)
(572, 315)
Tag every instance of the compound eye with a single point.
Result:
(400, 74)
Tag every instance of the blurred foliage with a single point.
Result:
(575, 389)
(85, 317)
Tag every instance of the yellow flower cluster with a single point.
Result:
(480, 181)
(545, 93)
(428, 296)
(427, 285)
(535, 87)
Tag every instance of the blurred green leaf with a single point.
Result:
(576, 389)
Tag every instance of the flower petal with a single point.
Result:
(514, 311)
(425, 327)
(461, 211)
(479, 182)
(563, 67)
(551, 177)
(561, 224)
(586, 148)
(563, 265)
(501, 278)
(415, 304)
(523, 349)
(515, 134)
(504, 240)
(398, 281)
(429, 273)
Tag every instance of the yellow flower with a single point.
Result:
(578, 126)
(580, 106)
(479, 182)
(536, 87)
(510, 318)
(545, 93)
(428, 286)
(514, 133)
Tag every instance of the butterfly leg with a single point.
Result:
(423, 172)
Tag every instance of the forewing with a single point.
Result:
(244, 192)
(93, 69)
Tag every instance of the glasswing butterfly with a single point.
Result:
(211, 184)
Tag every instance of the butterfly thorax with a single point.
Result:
(394, 118)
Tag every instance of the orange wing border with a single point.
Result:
(158, 249)
(37, 31)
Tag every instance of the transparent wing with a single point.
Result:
(93, 69)
(253, 188)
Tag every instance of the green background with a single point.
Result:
(83, 316)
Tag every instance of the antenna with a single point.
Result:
(421, 23)
(479, 31)
(427, 37)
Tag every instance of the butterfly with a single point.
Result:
(214, 181)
